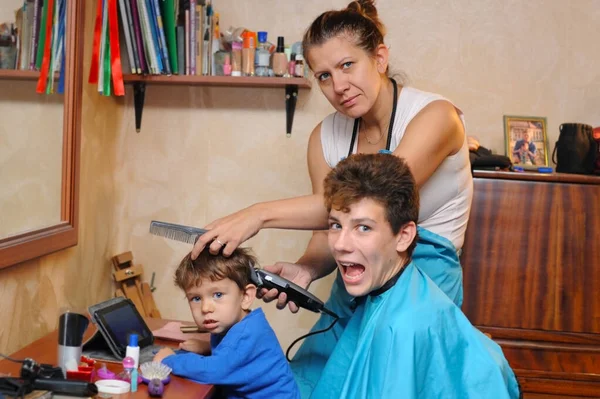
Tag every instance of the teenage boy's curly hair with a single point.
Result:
(384, 178)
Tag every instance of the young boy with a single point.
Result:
(404, 338)
(246, 359)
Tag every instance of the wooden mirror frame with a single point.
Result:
(22, 247)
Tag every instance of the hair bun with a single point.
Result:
(367, 9)
(364, 7)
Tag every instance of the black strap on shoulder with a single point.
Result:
(391, 125)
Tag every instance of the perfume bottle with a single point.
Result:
(128, 366)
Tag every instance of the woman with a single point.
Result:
(345, 50)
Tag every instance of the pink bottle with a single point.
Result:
(227, 66)
(292, 65)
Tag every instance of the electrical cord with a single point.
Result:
(335, 317)
(11, 359)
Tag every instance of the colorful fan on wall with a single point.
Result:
(106, 54)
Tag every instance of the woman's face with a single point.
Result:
(349, 77)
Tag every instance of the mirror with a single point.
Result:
(39, 151)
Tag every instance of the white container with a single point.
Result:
(133, 350)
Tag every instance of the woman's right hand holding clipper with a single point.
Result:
(297, 274)
(228, 232)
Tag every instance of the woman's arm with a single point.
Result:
(302, 213)
(434, 133)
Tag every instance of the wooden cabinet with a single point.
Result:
(531, 264)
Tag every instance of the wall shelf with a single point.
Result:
(291, 86)
(17, 74)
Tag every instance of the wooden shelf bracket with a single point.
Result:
(139, 96)
(291, 97)
(291, 86)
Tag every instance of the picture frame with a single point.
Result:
(526, 140)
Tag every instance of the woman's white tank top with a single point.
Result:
(445, 199)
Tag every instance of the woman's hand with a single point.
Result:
(297, 274)
(473, 143)
(229, 232)
(161, 354)
(196, 346)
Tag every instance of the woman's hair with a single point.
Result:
(215, 267)
(358, 22)
(383, 178)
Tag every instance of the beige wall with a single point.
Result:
(8, 9)
(205, 152)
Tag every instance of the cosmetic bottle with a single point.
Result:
(128, 367)
(263, 59)
(133, 350)
(227, 66)
(292, 65)
(248, 54)
(236, 59)
(279, 58)
(299, 67)
(262, 41)
(134, 380)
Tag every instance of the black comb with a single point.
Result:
(177, 232)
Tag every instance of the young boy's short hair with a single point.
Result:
(236, 267)
(384, 178)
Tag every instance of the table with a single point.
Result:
(44, 350)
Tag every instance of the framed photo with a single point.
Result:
(526, 140)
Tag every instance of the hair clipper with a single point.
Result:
(294, 292)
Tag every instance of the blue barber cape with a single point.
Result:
(412, 341)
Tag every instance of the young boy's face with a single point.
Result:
(367, 252)
(217, 305)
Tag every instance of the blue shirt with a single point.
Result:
(247, 362)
